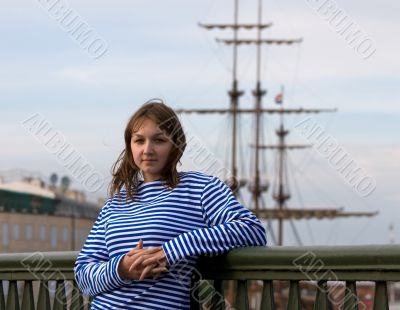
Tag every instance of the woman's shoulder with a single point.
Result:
(197, 177)
(116, 199)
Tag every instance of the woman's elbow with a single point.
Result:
(84, 288)
(261, 234)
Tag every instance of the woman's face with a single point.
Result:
(150, 149)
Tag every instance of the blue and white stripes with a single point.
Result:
(200, 216)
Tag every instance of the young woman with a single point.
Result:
(144, 245)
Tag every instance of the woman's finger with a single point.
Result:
(136, 263)
(158, 258)
(133, 257)
(136, 249)
(151, 261)
(145, 251)
(152, 250)
(133, 251)
(146, 271)
(158, 270)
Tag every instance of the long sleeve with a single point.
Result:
(95, 271)
(229, 225)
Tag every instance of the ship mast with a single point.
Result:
(234, 95)
(281, 192)
(281, 212)
(258, 93)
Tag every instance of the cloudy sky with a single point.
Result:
(156, 49)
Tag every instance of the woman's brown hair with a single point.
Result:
(124, 171)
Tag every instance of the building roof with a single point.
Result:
(27, 188)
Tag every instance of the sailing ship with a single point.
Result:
(280, 192)
(257, 185)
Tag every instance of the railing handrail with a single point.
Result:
(359, 262)
(361, 257)
(313, 259)
(276, 257)
(377, 263)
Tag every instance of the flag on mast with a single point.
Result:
(279, 98)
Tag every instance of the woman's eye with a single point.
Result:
(157, 140)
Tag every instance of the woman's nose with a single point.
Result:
(148, 147)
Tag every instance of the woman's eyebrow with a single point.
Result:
(155, 135)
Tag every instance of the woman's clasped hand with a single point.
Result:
(141, 263)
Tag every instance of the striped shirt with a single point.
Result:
(200, 216)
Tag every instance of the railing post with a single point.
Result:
(218, 299)
(2, 301)
(76, 298)
(205, 293)
(242, 300)
(43, 302)
(27, 299)
(321, 300)
(350, 296)
(60, 301)
(267, 299)
(294, 301)
(12, 298)
(381, 296)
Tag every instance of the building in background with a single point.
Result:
(36, 217)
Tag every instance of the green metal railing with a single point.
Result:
(25, 278)
(36, 271)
